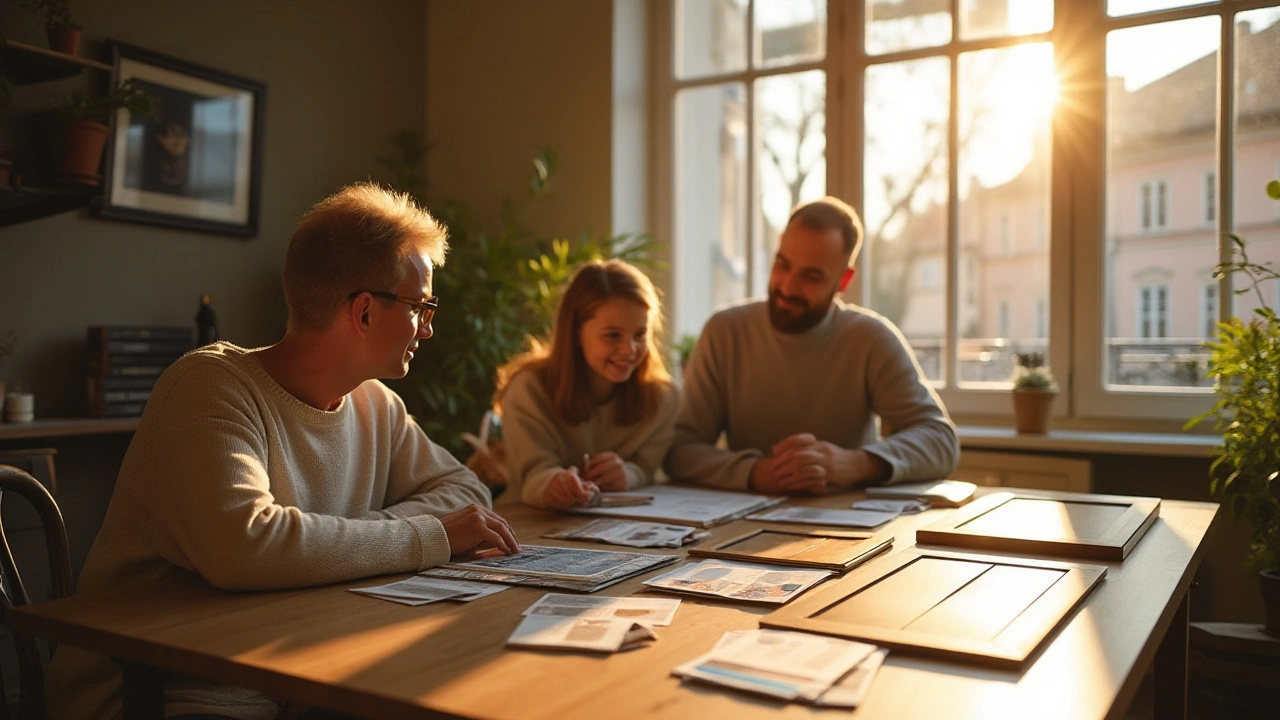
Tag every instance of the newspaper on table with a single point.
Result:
(825, 516)
(579, 633)
(546, 566)
(631, 533)
(420, 590)
(693, 506)
(905, 506)
(654, 612)
(790, 666)
(731, 580)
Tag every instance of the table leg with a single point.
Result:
(1171, 665)
(142, 692)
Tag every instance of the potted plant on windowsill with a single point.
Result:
(1033, 392)
(1245, 363)
(78, 140)
(63, 32)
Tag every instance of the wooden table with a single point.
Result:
(332, 648)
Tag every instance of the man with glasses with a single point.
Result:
(291, 465)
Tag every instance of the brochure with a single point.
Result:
(631, 533)
(739, 581)
(789, 665)
(647, 611)
(939, 493)
(823, 516)
(420, 590)
(690, 506)
(579, 633)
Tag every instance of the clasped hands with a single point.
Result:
(573, 488)
(804, 464)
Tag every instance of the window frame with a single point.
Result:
(1077, 205)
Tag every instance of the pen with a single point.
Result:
(586, 460)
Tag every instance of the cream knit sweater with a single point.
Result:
(539, 444)
(231, 477)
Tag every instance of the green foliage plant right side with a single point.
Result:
(1245, 362)
(499, 285)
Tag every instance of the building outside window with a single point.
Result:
(937, 120)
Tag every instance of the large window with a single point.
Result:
(1032, 175)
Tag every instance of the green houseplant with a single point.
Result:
(63, 32)
(500, 285)
(1245, 363)
(1033, 392)
(81, 134)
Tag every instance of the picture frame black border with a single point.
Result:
(114, 51)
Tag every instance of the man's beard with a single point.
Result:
(785, 321)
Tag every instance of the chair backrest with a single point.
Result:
(13, 592)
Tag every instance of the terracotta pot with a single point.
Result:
(77, 151)
(64, 39)
(1269, 584)
(1031, 408)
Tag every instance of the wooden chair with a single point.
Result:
(13, 592)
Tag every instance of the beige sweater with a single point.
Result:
(757, 386)
(231, 477)
(538, 444)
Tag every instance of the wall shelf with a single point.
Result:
(65, 427)
(18, 206)
(26, 64)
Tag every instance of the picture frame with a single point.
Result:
(826, 549)
(1043, 522)
(984, 609)
(196, 165)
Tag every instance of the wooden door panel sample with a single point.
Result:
(896, 600)
(830, 549)
(1103, 527)
(980, 608)
(988, 605)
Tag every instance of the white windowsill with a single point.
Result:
(1089, 441)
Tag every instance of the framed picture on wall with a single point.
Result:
(197, 162)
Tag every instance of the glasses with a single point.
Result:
(424, 309)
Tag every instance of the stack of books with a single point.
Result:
(124, 362)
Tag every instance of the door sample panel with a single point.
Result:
(1100, 527)
(977, 608)
(832, 550)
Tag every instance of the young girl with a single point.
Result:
(593, 408)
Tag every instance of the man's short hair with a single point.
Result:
(830, 213)
(359, 238)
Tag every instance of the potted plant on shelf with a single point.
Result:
(63, 32)
(78, 140)
(1245, 363)
(1033, 392)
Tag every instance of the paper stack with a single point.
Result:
(596, 624)
(420, 590)
(790, 666)
(558, 567)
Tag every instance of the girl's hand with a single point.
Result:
(607, 471)
(566, 490)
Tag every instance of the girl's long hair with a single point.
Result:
(558, 363)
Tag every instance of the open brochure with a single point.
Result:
(575, 632)
(556, 567)
(739, 581)
(631, 533)
(690, 506)
(790, 666)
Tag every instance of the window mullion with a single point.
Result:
(1226, 168)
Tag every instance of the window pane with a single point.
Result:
(792, 165)
(790, 31)
(1116, 8)
(1006, 103)
(1162, 84)
(710, 202)
(905, 201)
(1257, 146)
(996, 18)
(893, 26)
(711, 37)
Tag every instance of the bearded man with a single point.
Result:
(797, 381)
